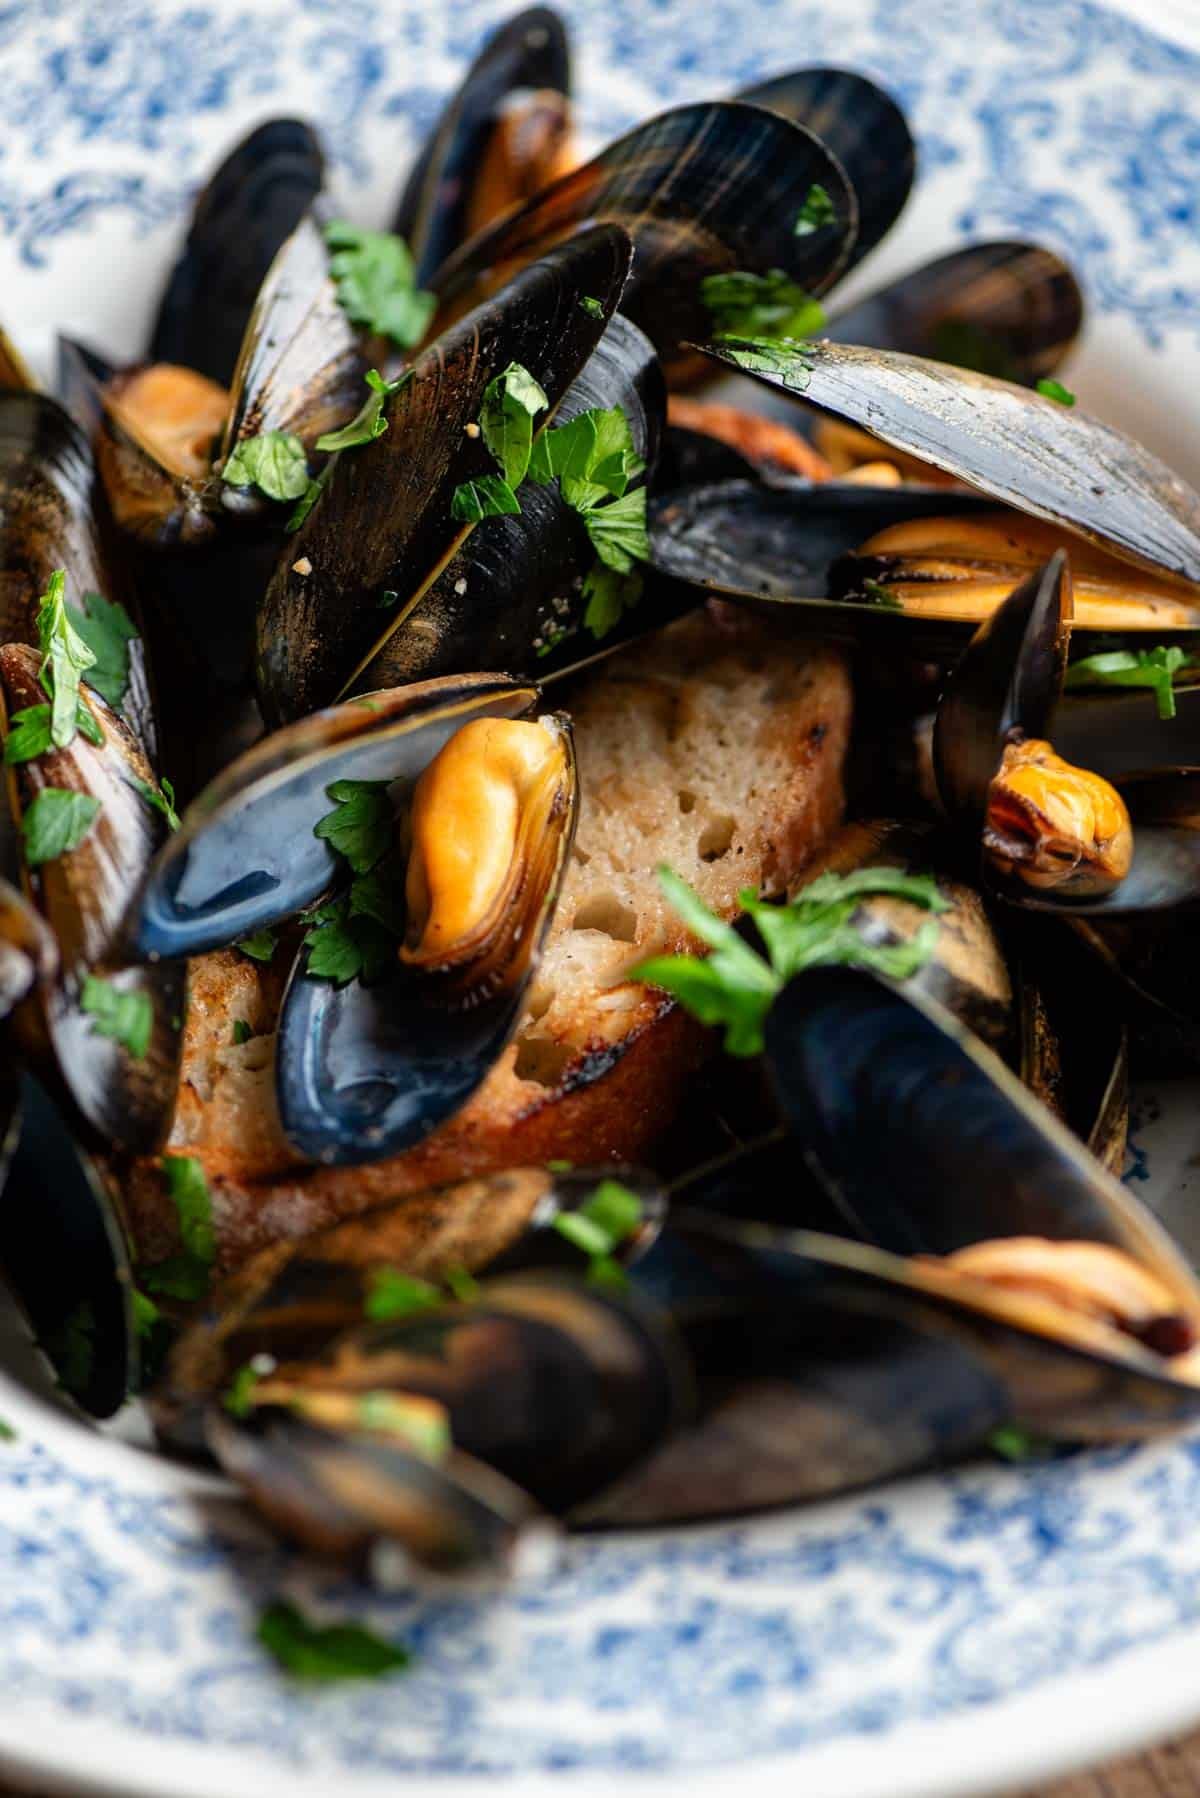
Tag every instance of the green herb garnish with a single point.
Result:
(1012, 1443)
(421, 1424)
(326, 1651)
(393, 1294)
(29, 732)
(186, 1275)
(126, 1018)
(308, 499)
(769, 356)
(599, 1226)
(368, 423)
(772, 305)
(160, 798)
(343, 945)
(238, 1398)
(65, 659)
(618, 531)
(589, 304)
(274, 462)
(241, 1032)
(376, 283)
(7, 1433)
(1054, 390)
(510, 403)
(735, 986)
(360, 827)
(609, 596)
(146, 1314)
(108, 630)
(879, 595)
(260, 946)
(461, 1284)
(1153, 668)
(57, 822)
(489, 496)
(817, 210)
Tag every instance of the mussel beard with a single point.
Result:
(486, 824)
(1056, 827)
(965, 568)
(1087, 1293)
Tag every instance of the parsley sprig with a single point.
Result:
(598, 1227)
(275, 462)
(1153, 668)
(818, 210)
(187, 1274)
(1054, 390)
(127, 1018)
(771, 305)
(57, 822)
(108, 631)
(327, 1651)
(376, 283)
(353, 936)
(735, 986)
(65, 659)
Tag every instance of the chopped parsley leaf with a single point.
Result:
(771, 305)
(108, 630)
(238, 1399)
(591, 305)
(360, 826)
(511, 401)
(326, 1652)
(7, 1433)
(186, 1275)
(66, 657)
(260, 946)
(817, 210)
(1153, 668)
(241, 1032)
(609, 596)
(376, 283)
(57, 822)
(29, 732)
(393, 1294)
(1013, 1443)
(274, 462)
(1054, 390)
(308, 499)
(160, 799)
(126, 1018)
(368, 423)
(489, 496)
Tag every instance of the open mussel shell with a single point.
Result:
(866, 131)
(250, 205)
(28, 950)
(1005, 689)
(63, 1254)
(774, 545)
(1006, 681)
(165, 430)
(452, 181)
(1008, 309)
(351, 1493)
(383, 531)
(1051, 461)
(559, 1386)
(245, 856)
(84, 895)
(512, 597)
(364, 1071)
(49, 520)
(702, 190)
(1121, 733)
(293, 1298)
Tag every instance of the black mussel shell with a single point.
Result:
(866, 131)
(49, 520)
(774, 544)
(1120, 733)
(63, 1256)
(691, 458)
(1005, 685)
(293, 1298)
(958, 1152)
(382, 531)
(512, 597)
(245, 856)
(529, 53)
(123, 1099)
(1053, 461)
(702, 190)
(1008, 309)
(344, 1494)
(249, 207)
(364, 1071)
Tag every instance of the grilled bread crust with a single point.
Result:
(716, 747)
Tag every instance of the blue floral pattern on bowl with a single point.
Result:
(128, 1597)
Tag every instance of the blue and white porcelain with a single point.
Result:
(964, 1633)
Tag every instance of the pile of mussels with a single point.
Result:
(365, 497)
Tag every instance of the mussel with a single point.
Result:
(248, 208)
(1140, 523)
(486, 797)
(1052, 832)
(383, 578)
(504, 134)
(291, 1300)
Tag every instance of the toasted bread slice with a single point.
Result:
(715, 747)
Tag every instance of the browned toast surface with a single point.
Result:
(716, 748)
